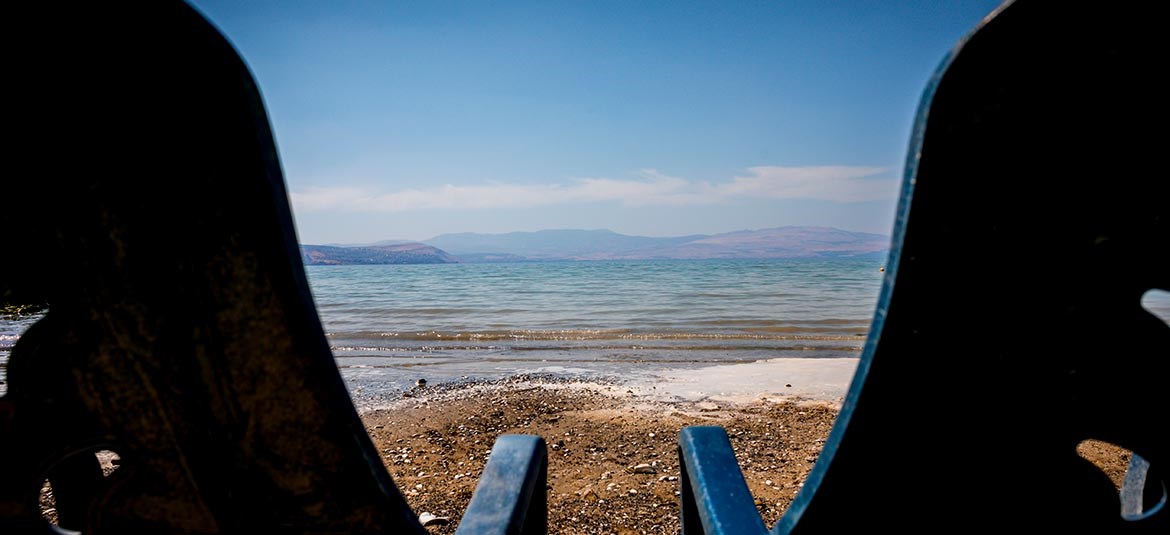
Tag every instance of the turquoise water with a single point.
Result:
(390, 324)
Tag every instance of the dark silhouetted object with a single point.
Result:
(1034, 215)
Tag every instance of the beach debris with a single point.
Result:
(644, 469)
(429, 519)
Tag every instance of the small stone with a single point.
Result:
(428, 519)
(768, 482)
(420, 383)
(789, 385)
(644, 469)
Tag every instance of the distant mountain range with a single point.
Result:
(400, 253)
(545, 245)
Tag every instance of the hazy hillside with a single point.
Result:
(401, 253)
(549, 244)
(781, 242)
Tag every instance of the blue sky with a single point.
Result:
(404, 120)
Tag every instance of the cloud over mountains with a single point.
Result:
(651, 188)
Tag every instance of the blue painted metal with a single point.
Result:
(1141, 495)
(715, 497)
(512, 496)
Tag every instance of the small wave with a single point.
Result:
(387, 366)
(787, 324)
(764, 333)
(405, 349)
(423, 351)
(8, 342)
(687, 348)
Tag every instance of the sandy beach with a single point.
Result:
(612, 445)
(435, 446)
(436, 440)
(613, 461)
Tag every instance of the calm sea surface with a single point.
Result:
(683, 311)
(389, 325)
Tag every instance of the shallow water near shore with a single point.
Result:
(632, 321)
(639, 322)
(674, 330)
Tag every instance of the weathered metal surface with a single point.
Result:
(512, 496)
(715, 499)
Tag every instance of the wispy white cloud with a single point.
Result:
(831, 183)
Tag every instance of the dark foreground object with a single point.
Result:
(151, 216)
(1032, 208)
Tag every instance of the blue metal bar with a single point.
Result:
(511, 497)
(715, 497)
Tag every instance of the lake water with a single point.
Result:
(388, 325)
(641, 322)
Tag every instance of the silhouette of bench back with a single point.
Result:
(1033, 218)
(147, 208)
(150, 213)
